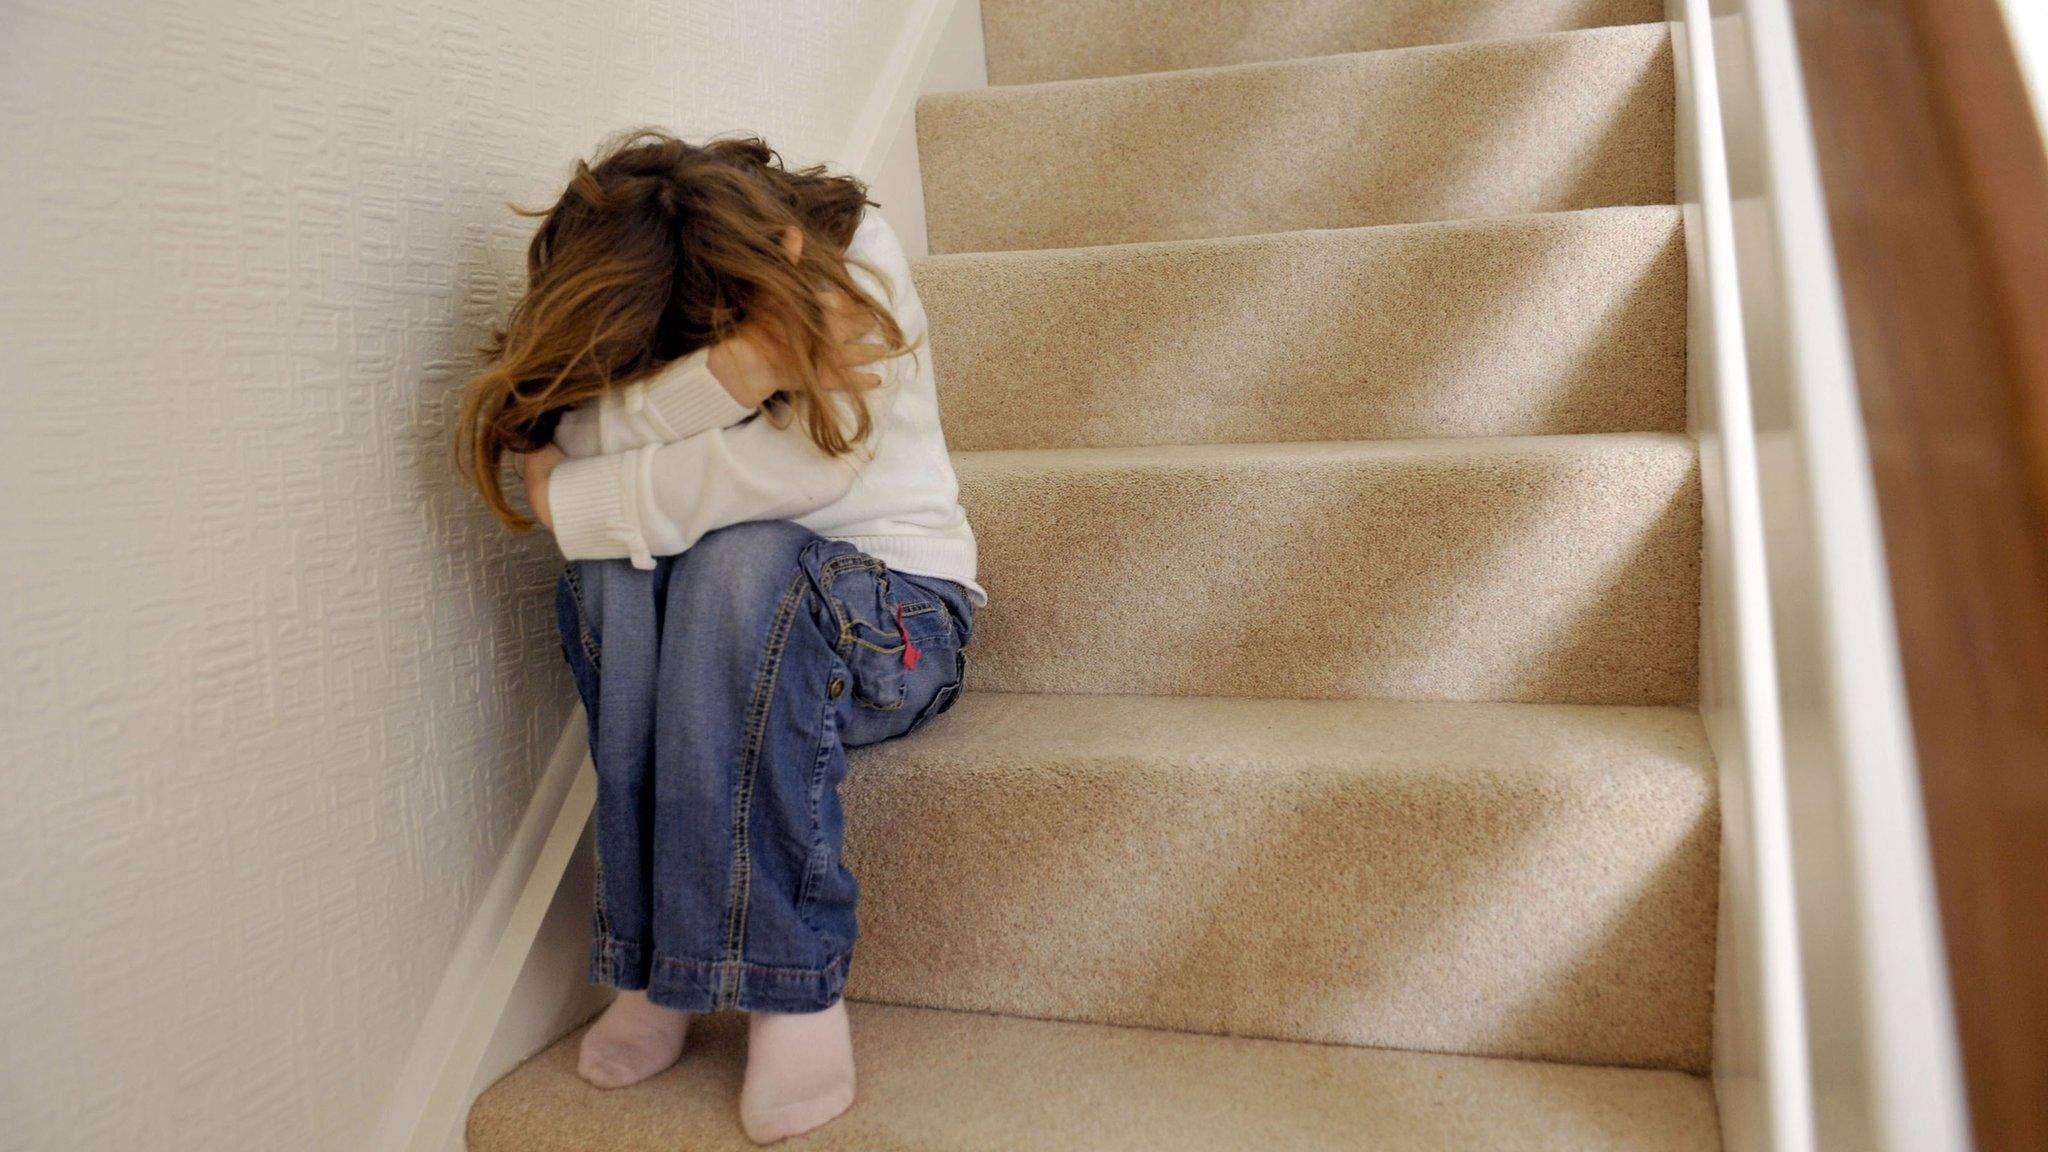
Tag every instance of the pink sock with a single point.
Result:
(634, 1039)
(799, 1072)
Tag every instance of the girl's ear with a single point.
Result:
(793, 243)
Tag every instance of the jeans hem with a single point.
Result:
(696, 985)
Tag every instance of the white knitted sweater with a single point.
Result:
(657, 464)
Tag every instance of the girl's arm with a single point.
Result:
(713, 387)
(660, 499)
(678, 402)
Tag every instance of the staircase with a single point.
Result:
(1330, 777)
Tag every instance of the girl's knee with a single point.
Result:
(741, 571)
(753, 546)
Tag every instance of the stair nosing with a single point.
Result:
(1694, 760)
(1253, 239)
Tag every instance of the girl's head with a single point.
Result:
(657, 249)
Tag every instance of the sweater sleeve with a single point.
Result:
(659, 499)
(678, 402)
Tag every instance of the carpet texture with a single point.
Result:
(1500, 879)
(956, 1082)
(1030, 41)
(1520, 326)
(1571, 120)
(1545, 569)
(1328, 775)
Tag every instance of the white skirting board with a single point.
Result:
(947, 57)
(1759, 1030)
(518, 980)
(490, 983)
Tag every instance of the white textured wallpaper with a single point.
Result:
(277, 687)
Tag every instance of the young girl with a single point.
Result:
(715, 386)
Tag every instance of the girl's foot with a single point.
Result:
(634, 1039)
(799, 1072)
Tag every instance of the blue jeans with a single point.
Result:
(723, 688)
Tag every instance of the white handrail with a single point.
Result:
(1882, 1065)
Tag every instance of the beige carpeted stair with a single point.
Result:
(933, 1081)
(1571, 120)
(1503, 879)
(1030, 41)
(1542, 568)
(943, 1081)
(1519, 326)
(1329, 776)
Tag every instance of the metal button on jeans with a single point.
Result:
(838, 686)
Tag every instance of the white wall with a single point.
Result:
(276, 688)
(2027, 20)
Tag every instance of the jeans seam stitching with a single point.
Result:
(814, 798)
(779, 969)
(583, 636)
(606, 970)
(750, 758)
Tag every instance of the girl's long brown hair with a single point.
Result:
(656, 250)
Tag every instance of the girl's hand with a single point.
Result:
(534, 470)
(753, 367)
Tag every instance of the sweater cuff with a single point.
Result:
(594, 515)
(684, 398)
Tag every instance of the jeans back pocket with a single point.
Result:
(856, 589)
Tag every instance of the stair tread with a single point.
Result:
(1556, 323)
(1535, 880)
(1648, 29)
(1567, 120)
(1030, 41)
(934, 1081)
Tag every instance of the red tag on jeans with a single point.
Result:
(910, 652)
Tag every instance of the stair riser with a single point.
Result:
(1528, 909)
(1578, 120)
(1530, 326)
(1558, 570)
(1031, 41)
